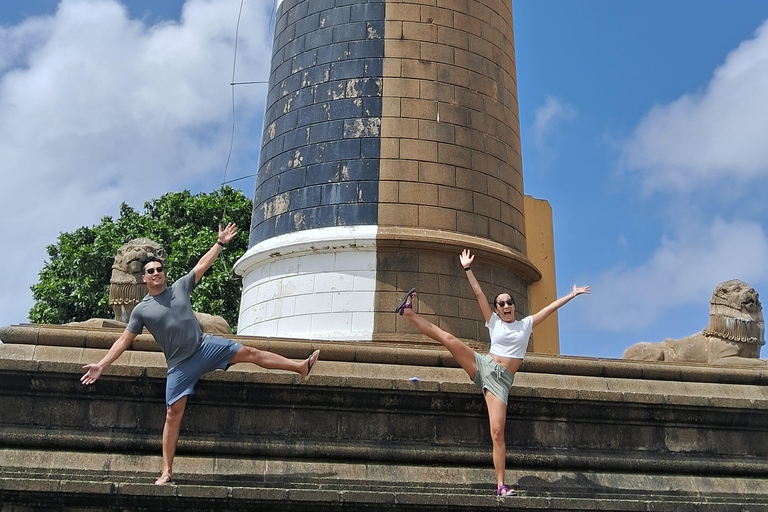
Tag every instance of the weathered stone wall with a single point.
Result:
(450, 136)
(582, 434)
(319, 158)
(393, 126)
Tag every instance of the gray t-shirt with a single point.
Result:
(170, 319)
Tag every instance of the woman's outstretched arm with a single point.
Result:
(562, 301)
(466, 260)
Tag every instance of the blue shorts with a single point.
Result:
(214, 354)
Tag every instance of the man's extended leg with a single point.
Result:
(173, 416)
(274, 361)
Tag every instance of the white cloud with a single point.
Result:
(548, 117)
(712, 137)
(97, 108)
(681, 271)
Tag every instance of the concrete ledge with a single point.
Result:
(405, 377)
(376, 412)
(407, 354)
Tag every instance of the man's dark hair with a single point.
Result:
(496, 298)
(148, 260)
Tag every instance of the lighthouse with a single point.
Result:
(391, 142)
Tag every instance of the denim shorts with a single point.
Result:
(492, 376)
(214, 354)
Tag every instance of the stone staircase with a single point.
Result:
(376, 427)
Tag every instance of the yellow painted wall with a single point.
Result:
(541, 252)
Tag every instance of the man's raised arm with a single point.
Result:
(225, 235)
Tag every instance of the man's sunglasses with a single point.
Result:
(151, 271)
(503, 303)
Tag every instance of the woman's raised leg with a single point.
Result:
(461, 352)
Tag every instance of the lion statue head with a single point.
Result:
(735, 314)
(126, 288)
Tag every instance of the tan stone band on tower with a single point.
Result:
(453, 243)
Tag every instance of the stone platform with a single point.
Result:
(376, 427)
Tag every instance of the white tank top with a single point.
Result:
(509, 339)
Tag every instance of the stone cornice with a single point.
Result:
(453, 243)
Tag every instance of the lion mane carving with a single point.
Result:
(734, 335)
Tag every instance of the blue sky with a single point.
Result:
(642, 122)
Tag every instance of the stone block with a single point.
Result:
(452, 74)
(417, 193)
(370, 148)
(412, 149)
(399, 170)
(453, 5)
(437, 218)
(390, 107)
(456, 114)
(440, 174)
(418, 108)
(475, 181)
(388, 191)
(353, 31)
(417, 31)
(338, 15)
(419, 69)
(437, 15)
(400, 127)
(437, 52)
(452, 154)
(62, 337)
(403, 12)
(390, 147)
(17, 352)
(467, 23)
(19, 334)
(434, 130)
(436, 91)
(398, 215)
(486, 206)
(453, 38)
(402, 49)
(401, 87)
(392, 68)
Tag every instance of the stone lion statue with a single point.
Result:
(734, 335)
(126, 288)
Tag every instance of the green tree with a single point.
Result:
(74, 283)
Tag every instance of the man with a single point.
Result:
(167, 314)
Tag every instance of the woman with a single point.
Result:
(495, 371)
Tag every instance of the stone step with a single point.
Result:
(62, 479)
(363, 434)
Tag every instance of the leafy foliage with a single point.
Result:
(74, 283)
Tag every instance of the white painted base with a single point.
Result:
(313, 284)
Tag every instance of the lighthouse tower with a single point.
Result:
(391, 142)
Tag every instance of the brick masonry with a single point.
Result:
(450, 111)
(450, 161)
(320, 147)
(390, 116)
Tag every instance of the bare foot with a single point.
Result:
(164, 479)
(408, 306)
(311, 360)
